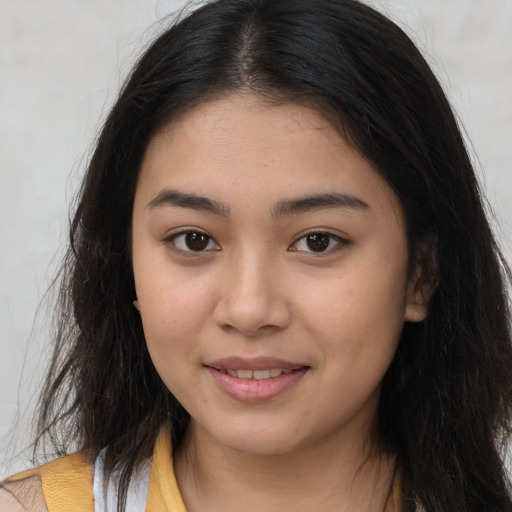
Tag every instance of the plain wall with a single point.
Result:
(61, 62)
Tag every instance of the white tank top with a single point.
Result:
(105, 493)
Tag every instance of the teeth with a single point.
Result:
(244, 374)
(261, 374)
(257, 374)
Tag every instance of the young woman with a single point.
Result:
(282, 290)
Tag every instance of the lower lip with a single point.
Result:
(252, 390)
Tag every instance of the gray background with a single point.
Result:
(61, 62)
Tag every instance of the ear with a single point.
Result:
(136, 304)
(422, 280)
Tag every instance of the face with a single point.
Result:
(271, 270)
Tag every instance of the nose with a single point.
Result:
(251, 299)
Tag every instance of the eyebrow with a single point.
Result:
(171, 197)
(318, 202)
(184, 200)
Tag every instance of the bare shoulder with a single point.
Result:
(22, 496)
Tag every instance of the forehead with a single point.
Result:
(243, 146)
(245, 121)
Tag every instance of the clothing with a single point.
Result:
(75, 484)
(69, 483)
(105, 491)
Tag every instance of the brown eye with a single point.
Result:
(197, 241)
(318, 242)
(193, 241)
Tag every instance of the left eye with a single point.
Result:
(318, 243)
(193, 241)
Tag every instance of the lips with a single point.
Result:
(257, 379)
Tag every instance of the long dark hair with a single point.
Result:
(445, 403)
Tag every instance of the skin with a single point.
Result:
(258, 289)
(22, 496)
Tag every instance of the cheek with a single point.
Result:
(171, 321)
(358, 314)
(172, 312)
(357, 297)
(174, 308)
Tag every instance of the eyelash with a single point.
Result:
(320, 236)
(171, 242)
(339, 242)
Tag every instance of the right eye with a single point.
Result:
(192, 241)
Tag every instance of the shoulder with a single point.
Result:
(24, 495)
(64, 484)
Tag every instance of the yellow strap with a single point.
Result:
(163, 492)
(66, 483)
(393, 503)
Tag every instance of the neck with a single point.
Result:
(214, 477)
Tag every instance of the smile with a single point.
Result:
(256, 385)
(257, 374)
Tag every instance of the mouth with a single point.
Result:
(256, 380)
(269, 373)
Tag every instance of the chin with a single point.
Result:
(257, 440)
(258, 446)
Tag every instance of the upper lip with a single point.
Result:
(253, 363)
